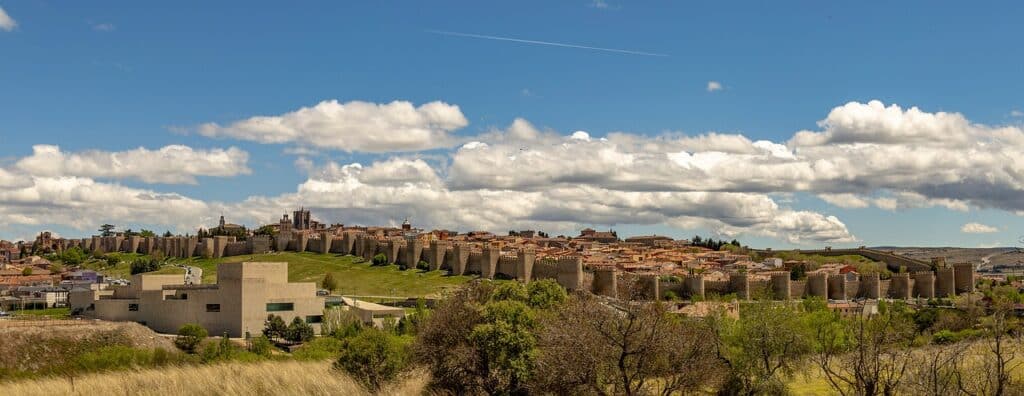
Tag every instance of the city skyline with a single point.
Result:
(808, 128)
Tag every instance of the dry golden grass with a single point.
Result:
(267, 378)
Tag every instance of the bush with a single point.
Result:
(261, 346)
(274, 327)
(546, 293)
(669, 295)
(189, 337)
(144, 264)
(299, 331)
(329, 282)
(223, 349)
(27, 271)
(423, 265)
(380, 259)
(374, 357)
(319, 349)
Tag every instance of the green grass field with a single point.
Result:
(353, 278)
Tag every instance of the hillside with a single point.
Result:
(353, 278)
(266, 378)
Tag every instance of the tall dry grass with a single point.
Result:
(266, 378)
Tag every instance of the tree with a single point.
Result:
(189, 337)
(266, 230)
(26, 271)
(590, 347)
(866, 355)
(144, 264)
(73, 256)
(380, 259)
(146, 233)
(373, 357)
(329, 282)
(168, 234)
(274, 327)
(505, 346)
(128, 232)
(106, 230)
(56, 268)
(998, 359)
(762, 347)
(299, 331)
(545, 293)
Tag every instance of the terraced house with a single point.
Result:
(245, 293)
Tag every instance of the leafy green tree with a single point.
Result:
(274, 327)
(168, 234)
(329, 282)
(763, 347)
(146, 233)
(189, 337)
(73, 256)
(112, 260)
(546, 293)
(299, 331)
(506, 346)
(380, 259)
(373, 357)
(106, 230)
(510, 291)
(144, 264)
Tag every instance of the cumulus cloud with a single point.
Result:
(83, 203)
(865, 154)
(714, 86)
(174, 164)
(352, 126)
(6, 22)
(978, 228)
(398, 187)
(1016, 113)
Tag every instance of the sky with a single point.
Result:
(782, 124)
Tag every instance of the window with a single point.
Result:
(184, 296)
(332, 304)
(277, 307)
(212, 307)
(314, 319)
(133, 307)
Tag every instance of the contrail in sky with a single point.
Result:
(481, 36)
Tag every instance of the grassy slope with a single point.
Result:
(353, 278)
(266, 378)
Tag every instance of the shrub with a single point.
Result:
(380, 259)
(511, 291)
(340, 323)
(299, 331)
(319, 349)
(423, 265)
(274, 327)
(144, 264)
(27, 271)
(329, 282)
(669, 295)
(261, 346)
(374, 357)
(546, 293)
(189, 337)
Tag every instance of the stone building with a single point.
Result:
(245, 293)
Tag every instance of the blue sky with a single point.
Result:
(116, 76)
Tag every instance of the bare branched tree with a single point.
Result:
(866, 355)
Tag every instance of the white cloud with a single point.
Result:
(397, 187)
(714, 86)
(849, 201)
(6, 22)
(352, 126)
(602, 4)
(170, 164)
(83, 203)
(104, 27)
(1016, 113)
(978, 228)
